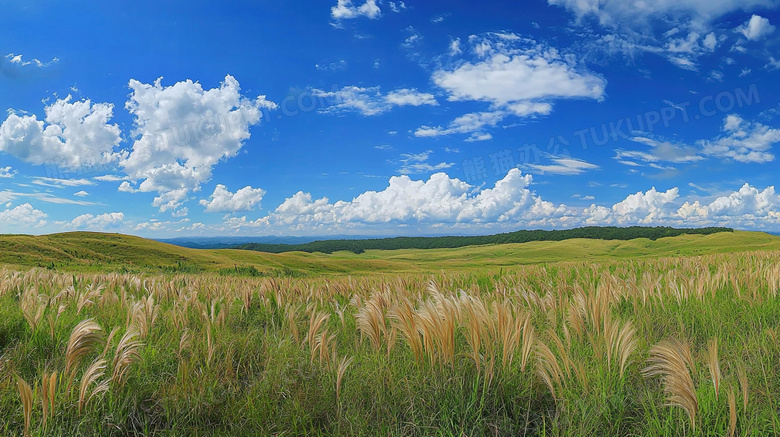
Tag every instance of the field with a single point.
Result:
(114, 335)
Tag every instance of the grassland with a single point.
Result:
(97, 252)
(635, 338)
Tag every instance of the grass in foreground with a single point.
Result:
(667, 346)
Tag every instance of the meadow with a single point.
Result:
(670, 337)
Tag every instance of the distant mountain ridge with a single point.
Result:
(449, 242)
(229, 242)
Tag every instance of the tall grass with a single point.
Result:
(557, 349)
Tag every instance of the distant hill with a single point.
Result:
(94, 251)
(98, 252)
(592, 232)
(229, 242)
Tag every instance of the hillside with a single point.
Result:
(450, 242)
(82, 251)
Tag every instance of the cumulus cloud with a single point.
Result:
(22, 216)
(370, 101)
(440, 199)
(345, 9)
(7, 172)
(72, 135)
(507, 75)
(747, 201)
(516, 77)
(756, 28)
(98, 222)
(182, 132)
(749, 207)
(743, 141)
(222, 200)
(645, 207)
(166, 201)
(442, 202)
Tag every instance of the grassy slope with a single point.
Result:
(95, 251)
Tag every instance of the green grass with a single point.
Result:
(261, 374)
(88, 251)
(262, 379)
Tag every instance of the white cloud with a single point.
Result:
(440, 199)
(370, 101)
(660, 151)
(650, 207)
(98, 222)
(479, 136)
(410, 97)
(743, 141)
(345, 9)
(415, 163)
(748, 207)
(222, 200)
(564, 166)
(110, 178)
(519, 74)
(710, 41)
(397, 6)
(747, 201)
(684, 62)
(167, 200)
(644, 207)
(473, 122)
(125, 187)
(617, 13)
(41, 196)
(22, 216)
(7, 172)
(81, 193)
(455, 47)
(61, 183)
(756, 28)
(515, 76)
(183, 131)
(156, 226)
(681, 31)
(72, 135)
(17, 60)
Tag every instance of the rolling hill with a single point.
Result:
(90, 251)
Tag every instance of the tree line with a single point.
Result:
(591, 232)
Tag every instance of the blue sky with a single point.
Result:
(374, 117)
